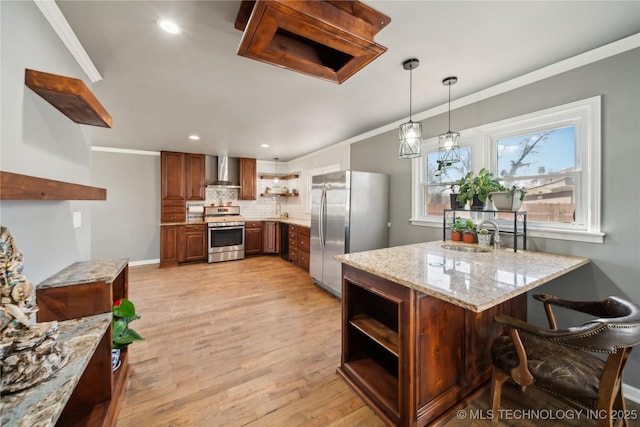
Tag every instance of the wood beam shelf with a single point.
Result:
(283, 177)
(70, 96)
(15, 186)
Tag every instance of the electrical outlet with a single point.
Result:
(77, 219)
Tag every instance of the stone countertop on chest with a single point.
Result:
(102, 270)
(472, 280)
(42, 404)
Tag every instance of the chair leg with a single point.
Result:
(497, 379)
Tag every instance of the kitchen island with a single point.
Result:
(418, 322)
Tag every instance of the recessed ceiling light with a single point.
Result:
(264, 145)
(169, 26)
(194, 137)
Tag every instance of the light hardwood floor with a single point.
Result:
(253, 343)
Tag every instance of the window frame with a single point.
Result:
(584, 115)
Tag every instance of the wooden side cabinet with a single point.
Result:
(248, 179)
(85, 289)
(169, 236)
(271, 237)
(253, 237)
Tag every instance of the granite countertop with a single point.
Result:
(42, 404)
(294, 221)
(105, 270)
(475, 281)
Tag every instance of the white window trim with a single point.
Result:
(585, 115)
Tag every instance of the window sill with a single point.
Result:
(545, 233)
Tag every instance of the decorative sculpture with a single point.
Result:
(29, 352)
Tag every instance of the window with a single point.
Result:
(554, 154)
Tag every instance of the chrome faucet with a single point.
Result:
(278, 209)
(496, 236)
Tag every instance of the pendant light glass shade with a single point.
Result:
(410, 140)
(448, 142)
(411, 132)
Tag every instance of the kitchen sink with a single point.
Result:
(465, 248)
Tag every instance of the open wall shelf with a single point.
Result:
(14, 186)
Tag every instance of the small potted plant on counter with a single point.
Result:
(124, 312)
(456, 226)
(477, 188)
(469, 232)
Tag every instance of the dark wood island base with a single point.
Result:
(413, 358)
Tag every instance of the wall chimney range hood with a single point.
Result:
(331, 40)
(223, 179)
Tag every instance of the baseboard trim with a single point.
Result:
(631, 393)
(145, 262)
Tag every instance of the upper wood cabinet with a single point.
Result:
(195, 176)
(248, 179)
(172, 167)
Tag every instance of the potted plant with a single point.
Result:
(453, 196)
(477, 188)
(124, 312)
(508, 199)
(469, 232)
(456, 226)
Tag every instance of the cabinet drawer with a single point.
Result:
(304, 231)
(177, 210)
(253, 224)
(174, 203)
(195, 228)
(293, 229)
(293, 255)
(303, 259)
(172, 217)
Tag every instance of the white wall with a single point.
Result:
(36, 139)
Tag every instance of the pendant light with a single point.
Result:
(410, 132)
(448, 141)
(276, 180)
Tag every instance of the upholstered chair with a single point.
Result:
(562, 361)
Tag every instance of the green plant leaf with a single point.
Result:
(125, 309)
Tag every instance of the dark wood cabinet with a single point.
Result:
(412, 356)
(172, 168)
(271, 237)
(195, 176)
(192, 243)
(182, 178)
(299, 245)
(169, 245)
(84, 289)
(248, 179)
(253, 237)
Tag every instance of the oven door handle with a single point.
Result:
(231, 227)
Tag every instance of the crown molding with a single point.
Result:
(58, 22)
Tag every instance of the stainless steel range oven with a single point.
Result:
(225, 233)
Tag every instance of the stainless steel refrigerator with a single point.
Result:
(349, 213)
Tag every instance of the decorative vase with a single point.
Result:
(468, 237)
(115, 359)
(484, 239)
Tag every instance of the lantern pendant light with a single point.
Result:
(276, 180)
(410, 132)
(448, 142)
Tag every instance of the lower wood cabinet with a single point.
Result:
(182, 243)
(299, 246)
(253, 237)
(271, 237)
(194, 246)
